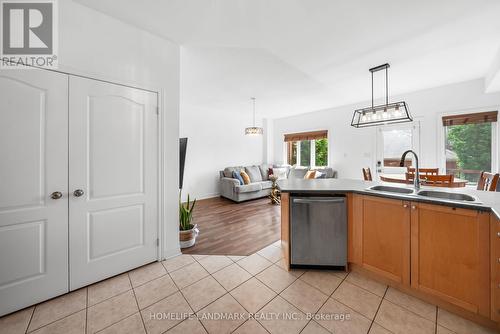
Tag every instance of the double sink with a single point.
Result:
(442, 195)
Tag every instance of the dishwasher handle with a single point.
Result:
(318, 200)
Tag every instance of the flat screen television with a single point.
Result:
(182, 159)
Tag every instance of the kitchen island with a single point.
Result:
(441, 250)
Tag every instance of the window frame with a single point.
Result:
(441, 139)
(312, 153)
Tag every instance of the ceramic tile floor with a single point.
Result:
(163, 297)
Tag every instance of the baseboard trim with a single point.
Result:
(169, 253)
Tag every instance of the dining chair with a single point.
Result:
(487, 181)
(424, 171)
(367, 174)
(433, 180)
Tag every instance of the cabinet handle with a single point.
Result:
(406, 205)
(498, 234)
(413, 207)
(498, 260)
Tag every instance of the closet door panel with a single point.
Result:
(33, 166)
(113, 162)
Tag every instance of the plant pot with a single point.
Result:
(188, 238)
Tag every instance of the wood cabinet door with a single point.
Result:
(386, 238)
(495, 267)
(450, 255)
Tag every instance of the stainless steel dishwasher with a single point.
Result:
(318, 231)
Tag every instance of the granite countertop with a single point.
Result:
(486, 200)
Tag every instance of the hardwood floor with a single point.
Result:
(228, 228)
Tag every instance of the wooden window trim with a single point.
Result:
(474, 118)
(311, 135)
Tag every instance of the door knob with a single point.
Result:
(78, 192)
(56, 195)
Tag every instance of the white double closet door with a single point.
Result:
(78, 183)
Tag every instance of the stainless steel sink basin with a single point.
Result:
(446, 195)
(388, 189)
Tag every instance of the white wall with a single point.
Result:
(96, 45)
(216, 139)
(350, 149)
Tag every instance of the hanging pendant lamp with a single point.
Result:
(253, 130)
(388, 113)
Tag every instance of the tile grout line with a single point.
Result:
(191, 307)
(31, 317)
(52, 322)
(378, 308)
(330, 296)
(86, 310)
(137, 303)
(407, 309)
(436, 323)
(228, 291)
(286, 287)
(114, 323)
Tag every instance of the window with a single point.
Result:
(396, 142)
(469, 144)
(392, 142)
(308, 149)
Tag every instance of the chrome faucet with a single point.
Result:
(416, 179)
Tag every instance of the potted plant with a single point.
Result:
(187, 231)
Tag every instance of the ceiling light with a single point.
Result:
(253, 130)
(388, 113)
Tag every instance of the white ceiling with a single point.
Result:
(298, 56)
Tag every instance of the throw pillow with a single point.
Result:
(238, 177)
(245, 177)
(269, 172)
(310, 174)
(280, 173)
(319, 175)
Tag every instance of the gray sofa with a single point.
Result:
(260, 185)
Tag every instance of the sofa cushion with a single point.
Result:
(328, 171)
(238, 177)
(246, 188)
(228, 171)
(264, 171)
(266, 184)
(254, 173)
(297, 173)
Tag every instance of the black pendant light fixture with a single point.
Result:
(388, 113)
